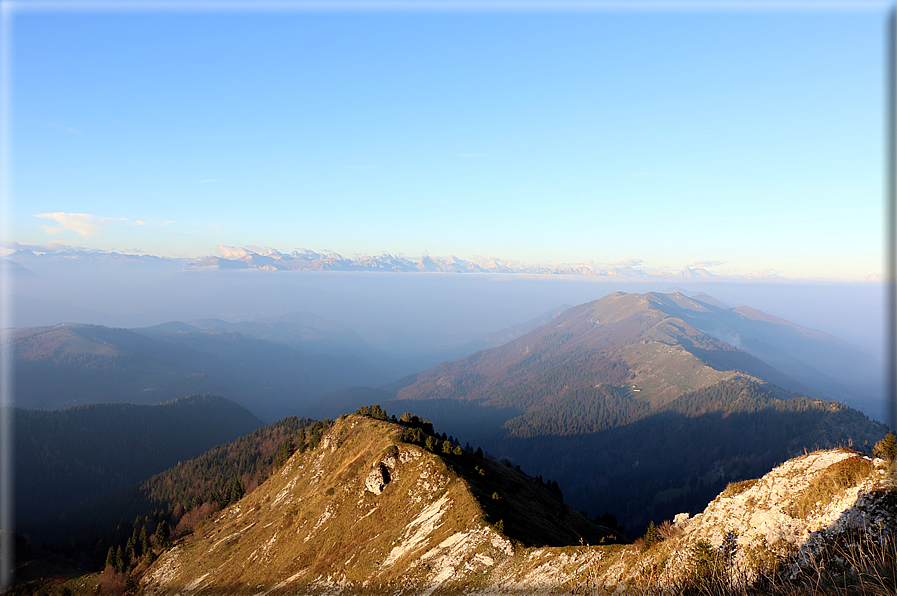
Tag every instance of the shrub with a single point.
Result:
(651, 538)
(707, 568)
(886, 449)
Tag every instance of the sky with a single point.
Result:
(739, 140)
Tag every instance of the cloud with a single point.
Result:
(82, 223)
(706, 263)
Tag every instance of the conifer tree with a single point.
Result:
(236, 491)
(284, 452)
(162, 534)
(119, 560)
(143, 541)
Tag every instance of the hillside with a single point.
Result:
(67, 461)
(368, 513)
(368, 510)
(643, 344)
(630, 405)
(70, 364)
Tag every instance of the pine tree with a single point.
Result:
(284, 452)
(236, 491)
(143, 541)
(119, 560)
(162, 534)
(651, 536)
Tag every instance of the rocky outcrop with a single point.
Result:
(816, 516)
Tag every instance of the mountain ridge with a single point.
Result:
(431, 536)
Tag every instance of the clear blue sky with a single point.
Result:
(753, 139)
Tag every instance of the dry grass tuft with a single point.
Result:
(837, 477)
(736, 488)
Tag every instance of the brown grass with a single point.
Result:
(736, 488)
(837, 477)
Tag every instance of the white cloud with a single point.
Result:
(706, 263)
(82, 223)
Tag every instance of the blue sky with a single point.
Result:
(747, 141)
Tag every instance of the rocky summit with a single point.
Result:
(367, 512)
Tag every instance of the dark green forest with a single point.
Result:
(68, 460)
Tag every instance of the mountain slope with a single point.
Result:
(301, 331)
(366, 510)
(629, 390)
(72, 364)
(364, 514)
(627, 341)
(67, 460)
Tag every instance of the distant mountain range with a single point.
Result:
(308, 260)
(274, 367)
(313, 261)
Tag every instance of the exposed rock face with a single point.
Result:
(377, 479)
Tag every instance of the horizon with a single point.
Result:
(746, 141)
